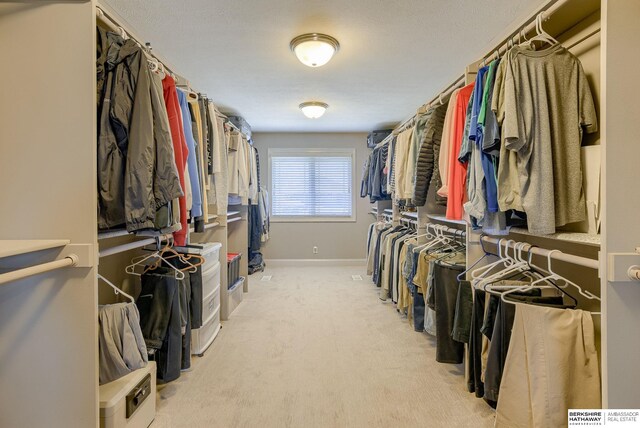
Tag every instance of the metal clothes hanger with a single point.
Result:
(138, 261)
(116, 289)
(192, 268)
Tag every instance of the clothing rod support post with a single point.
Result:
(68, 261)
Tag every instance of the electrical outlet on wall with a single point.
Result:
(315, 250)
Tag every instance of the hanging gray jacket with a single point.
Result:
(427, 170)
(136, 167)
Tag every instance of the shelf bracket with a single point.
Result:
(624, 267)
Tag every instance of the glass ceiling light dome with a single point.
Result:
(314, 49)
(313, 109)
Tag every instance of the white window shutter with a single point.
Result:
(312, 185)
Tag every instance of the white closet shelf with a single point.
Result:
(230, 213)
(10, 248)
(410, 214)
(231, 220)
(444, 219)
(207, 226)
(575, 237)
(388, 210)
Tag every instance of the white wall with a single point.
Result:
(48, 334)
(334, 240)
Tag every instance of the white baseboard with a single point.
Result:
(314, 262)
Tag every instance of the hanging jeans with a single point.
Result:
(445, 287)
(159, 306)
(474, 362)
(185, 320)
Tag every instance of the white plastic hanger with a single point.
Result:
(510, 265)
(541, 36)
(519, 265)
(554, 276)
(482, 271)
(123, 33)
(116, 289)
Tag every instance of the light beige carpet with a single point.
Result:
(313, 348)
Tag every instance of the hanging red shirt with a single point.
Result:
(180, 149)
(457, 171)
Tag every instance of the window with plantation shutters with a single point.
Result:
(312, 185)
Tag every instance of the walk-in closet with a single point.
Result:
(293, 214)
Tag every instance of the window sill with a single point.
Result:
(313, 219)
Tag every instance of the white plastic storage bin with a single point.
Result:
(210, 279)
(236, 292)
(129, 401)
(209, 250)
(210, 303)
(202, 338)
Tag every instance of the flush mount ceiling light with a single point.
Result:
(313, 109)
(313, 49)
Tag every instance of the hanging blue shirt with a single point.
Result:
(476, 133)
(194, 177)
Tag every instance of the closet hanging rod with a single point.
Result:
(207, 226)
(440, 97)
(133, 245)
(458, 83)
(446, 229)
(547, 11)
(234, 127)
(113, 234)
(385, 140)
(126, 247)
(70, 260)
(212, 225)
(583, 39)
(112, 23)
(557, 255)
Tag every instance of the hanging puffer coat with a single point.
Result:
(136, 169)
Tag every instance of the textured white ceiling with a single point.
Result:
(394, 55)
